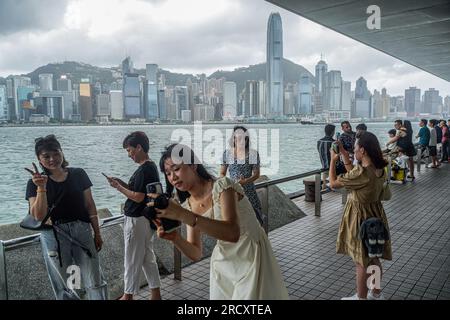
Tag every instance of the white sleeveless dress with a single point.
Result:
(247, 269)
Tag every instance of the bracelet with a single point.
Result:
(41, 190)
(195, 220)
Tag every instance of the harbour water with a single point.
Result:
(99, 149)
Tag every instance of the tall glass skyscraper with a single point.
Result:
(274, 68)
(151, 99)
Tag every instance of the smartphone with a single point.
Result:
(335, 147)
(337, 135)
(168, 225)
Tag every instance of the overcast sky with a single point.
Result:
(192, 36)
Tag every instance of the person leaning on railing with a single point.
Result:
(365, 182)
(69, 242)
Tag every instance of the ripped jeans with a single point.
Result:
(76, 251)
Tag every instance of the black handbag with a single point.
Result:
(30, 222)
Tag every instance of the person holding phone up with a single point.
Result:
(137, 233)
(69, 241)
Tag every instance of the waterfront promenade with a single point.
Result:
(419, 222)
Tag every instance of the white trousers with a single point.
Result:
(139, 254)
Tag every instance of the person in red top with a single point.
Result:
(445, 141)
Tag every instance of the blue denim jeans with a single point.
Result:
(75, 242)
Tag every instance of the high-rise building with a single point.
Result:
(346, 96)
(127, 66)
(333, 90)
(289, 101)
(262, 97)
(412, 101)
(162, 104)
(64, 84)
(46, 81)
(251, 98)
(18, 81)
(229, 100)
(181, 100)
(274, 66)
(86, 101)
(103, 105)
(385, 103)
(305, 99)
(432, 101)
(151, 98)
(116, 97)
(321, 71)
(131, 96)
(362, 99)
(4, 108)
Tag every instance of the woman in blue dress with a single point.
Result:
(243, 165)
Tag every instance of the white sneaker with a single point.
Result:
(373, 296)
(353, 297)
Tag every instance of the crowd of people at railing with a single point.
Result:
(243, 265)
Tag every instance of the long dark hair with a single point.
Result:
(369, 142)
(247, 138)
(178, 152)
(409, 130)
(48, 143)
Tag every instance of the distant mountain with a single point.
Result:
(79, 70)
(291, 72)
(76, 71)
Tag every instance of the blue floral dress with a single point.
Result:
(238, 168)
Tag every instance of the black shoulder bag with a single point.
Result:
(30, 222)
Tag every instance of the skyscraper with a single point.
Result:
(431, 101)
(274, 67)
(46, 81)
(86, 97)
(229, 100)
(116, 104)
(131, 95)
(321, 71)
(305, 98)
(333, 90)
(412, 101)
(362, 99)
(251, 98)
(4, 109)
(64, 84)
(151, 98)
(127, 66)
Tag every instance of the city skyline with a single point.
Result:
(218, 36)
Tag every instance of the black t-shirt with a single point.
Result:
(145, 174)
(71, 207)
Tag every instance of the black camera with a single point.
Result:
(160, 202)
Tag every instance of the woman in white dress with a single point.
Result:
(243, 265)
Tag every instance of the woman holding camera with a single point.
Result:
(137, 233)
(68, 242)
(365, 182)
(243, 265)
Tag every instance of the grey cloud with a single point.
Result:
(235, 38)
(20, 15)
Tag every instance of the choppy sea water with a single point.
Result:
(99, 149)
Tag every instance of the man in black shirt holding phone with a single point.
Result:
(138, 235)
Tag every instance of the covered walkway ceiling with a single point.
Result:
(415, 31)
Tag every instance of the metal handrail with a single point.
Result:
(21, 242)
